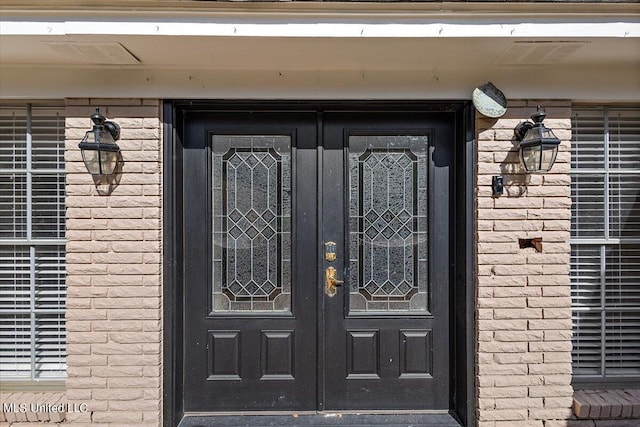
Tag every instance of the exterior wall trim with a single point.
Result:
(171, 408)
(466, 266)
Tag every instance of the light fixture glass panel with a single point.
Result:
(103, 137)
(539, 157)
(530, 156)
(549, 153)
(533, 134)
(91, 161)
(108, 161)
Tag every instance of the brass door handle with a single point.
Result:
(331, 287)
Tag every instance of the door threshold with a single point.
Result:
(325, 419)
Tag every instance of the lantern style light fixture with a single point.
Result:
(99, 149)
(538, 144)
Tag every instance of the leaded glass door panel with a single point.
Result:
(388, 223)
(251, 223)
(386, 333)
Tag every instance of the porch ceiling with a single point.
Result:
(301, 53)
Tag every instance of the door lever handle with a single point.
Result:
(331, 287)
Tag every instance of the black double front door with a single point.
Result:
(316, 260)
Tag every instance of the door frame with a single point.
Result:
(462, 272)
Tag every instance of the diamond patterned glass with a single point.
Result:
(251, 223)
(388, 223)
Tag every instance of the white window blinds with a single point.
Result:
(605, 243)
(32, 245)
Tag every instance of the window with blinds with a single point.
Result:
(605, 243)
(32, 243)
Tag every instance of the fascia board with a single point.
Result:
(317, 28)
(183, 8)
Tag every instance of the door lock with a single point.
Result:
(331, 287)
(330, 251)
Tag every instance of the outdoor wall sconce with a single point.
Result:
(538, 144)
(99, 149)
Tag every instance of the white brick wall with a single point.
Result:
(524, 304)
(114, 270)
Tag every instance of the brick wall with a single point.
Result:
(524, 304)
(114, 270)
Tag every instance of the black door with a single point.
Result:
(385, 198)
(278, 209)
(250, 227)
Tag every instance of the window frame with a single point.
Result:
(604, 243)
(31, 243)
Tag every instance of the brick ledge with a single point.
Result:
(606, 404)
